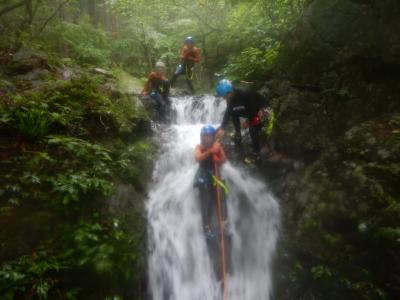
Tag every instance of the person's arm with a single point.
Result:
(218, 153)
(236, 123)
(183, 53)
(221, 157)
(201, 155)
(147, 85)
(194, 55)
(226, 117)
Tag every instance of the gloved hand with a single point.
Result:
(245, 124)
(215, 152)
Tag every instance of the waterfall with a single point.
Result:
(180, 266)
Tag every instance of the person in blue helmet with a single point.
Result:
(190, 55)
(209, 152)
(245, 103)
(210, 155)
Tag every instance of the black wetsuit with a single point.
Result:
(205, 184)
(160, 93)
(207, 194)
(245, 103)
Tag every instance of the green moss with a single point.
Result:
(363, 188)
(71, 153)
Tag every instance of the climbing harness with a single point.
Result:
(221, 234)
(221, 184)
(187, 72)
(271, 122)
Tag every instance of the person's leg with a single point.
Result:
(179, 71)
(165, 90)
(167, 103)
(160, 107)
(255, 137)
(236, 123)
(190, 85)
(173, 79)
(188, 71)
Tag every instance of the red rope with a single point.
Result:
(221, 236)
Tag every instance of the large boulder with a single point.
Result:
(26, 60)
(349, 214)
(343, 67)
(336, 33)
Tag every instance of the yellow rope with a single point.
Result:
(187, 76)
(221, 184)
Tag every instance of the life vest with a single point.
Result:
(155, 82)
(190, 54)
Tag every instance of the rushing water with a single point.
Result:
(180, 266)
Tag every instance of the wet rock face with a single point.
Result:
(344, 32)
(340, 66)
(26, 60)
(336, 102)
(6, 87)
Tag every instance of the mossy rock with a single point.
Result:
(350, 202)
(27, 60)
(339, 67)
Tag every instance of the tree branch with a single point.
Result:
(12, 7)
(51, 17)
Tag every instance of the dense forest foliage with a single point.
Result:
(76, 147)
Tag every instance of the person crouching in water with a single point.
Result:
(157, 87)
(245, 103)
(212, 192)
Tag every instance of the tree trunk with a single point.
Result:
(92, 11)
(63, 48)
(146, 49)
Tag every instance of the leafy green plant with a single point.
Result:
(29, 275)
(251, 62)
(33, 124)
(321, 272)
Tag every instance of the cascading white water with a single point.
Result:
(179, 263)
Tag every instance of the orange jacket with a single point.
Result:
(154, 81)
(190, 54)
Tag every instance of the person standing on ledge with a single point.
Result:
(190, 55)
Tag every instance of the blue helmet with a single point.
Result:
(208, 130)
(189, 40)
(224, 87)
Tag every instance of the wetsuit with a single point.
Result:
(157, 86)
(207, 188)
(189, 57)
(245, 103)
(207, 193)
(204, 182)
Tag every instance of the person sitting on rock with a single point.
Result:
(157, 87)
(245, 103)
(190, 55)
